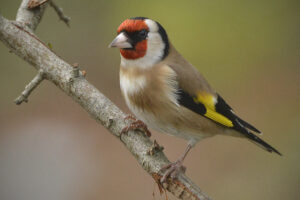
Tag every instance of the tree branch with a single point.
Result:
(27, 45)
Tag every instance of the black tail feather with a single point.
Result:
(238, 126)
(261, 143)
(223, 108)
(242, 126)
(247, 125)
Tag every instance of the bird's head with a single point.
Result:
(142, 42)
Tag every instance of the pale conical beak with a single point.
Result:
(121, 41)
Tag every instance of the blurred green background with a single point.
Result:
(249, 51)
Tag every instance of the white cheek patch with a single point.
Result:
(152, 25)
(154, 53)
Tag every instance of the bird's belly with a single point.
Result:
(167, 124)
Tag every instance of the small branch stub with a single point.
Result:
(30, 87)
(83, 73)
(35, 3)
(75, 71)
(155, 148)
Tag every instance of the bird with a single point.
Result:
(168, 94)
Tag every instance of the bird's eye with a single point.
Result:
(143, 33)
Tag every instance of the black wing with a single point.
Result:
(221, 107)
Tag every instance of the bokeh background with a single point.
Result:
(249, 50)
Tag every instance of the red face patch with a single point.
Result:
(132, 25)
(140, 48)
(138, 52)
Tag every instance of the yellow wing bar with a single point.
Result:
(209, 102)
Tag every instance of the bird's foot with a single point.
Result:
(172, 170)
(135, 125)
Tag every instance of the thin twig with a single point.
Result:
(60, 13)
(30, 48)
(29, 88)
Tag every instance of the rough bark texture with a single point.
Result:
(18, 36)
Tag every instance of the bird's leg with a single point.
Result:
(173, 169)
(135, 125)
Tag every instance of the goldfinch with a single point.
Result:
(168, 94)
